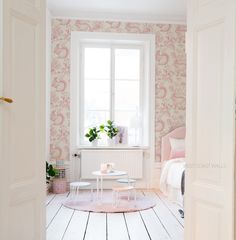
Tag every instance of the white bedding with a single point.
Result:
(170, 182)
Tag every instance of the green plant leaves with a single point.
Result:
(93, 133)
(110, 129)
(102, 128)
(109, 122)
(50, 172)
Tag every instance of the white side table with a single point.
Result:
(127, 181)
(117, 190)
(75, 186)
(100, 175)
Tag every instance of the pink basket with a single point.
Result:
(59, 186)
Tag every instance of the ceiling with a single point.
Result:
(130, 10)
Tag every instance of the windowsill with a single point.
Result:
(125, 147)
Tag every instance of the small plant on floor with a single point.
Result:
(51, 172)
(93, 134)
(110, 129)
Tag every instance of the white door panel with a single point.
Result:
(210, 120)
(23, 121)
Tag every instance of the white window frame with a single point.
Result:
(147, 86)
(112, 46)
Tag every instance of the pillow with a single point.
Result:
(177, 154)
(177, 148)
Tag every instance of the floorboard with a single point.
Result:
(49, 198)
(97, 228)
(77, 227)
(58, 227)
(174, 208)
(54, 206)
(116, 227)
(169, 222)
(136, 228)
(153, 225)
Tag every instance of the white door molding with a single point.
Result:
(210, 124)
(22, 129)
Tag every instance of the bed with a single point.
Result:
(173, 164)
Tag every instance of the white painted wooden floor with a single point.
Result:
(158, 223)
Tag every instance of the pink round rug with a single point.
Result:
(82, 202)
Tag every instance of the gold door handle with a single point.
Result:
(8, 100)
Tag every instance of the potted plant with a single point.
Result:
(93, 135)
(50, 174)
(111, 130)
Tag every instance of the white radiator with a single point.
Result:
(130, 161)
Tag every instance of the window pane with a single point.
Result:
(127, 108)
(127, 63)
(124, 118)
(97, 94)
(95, 118)
(96, 91)
(97, 63)
(127, 95)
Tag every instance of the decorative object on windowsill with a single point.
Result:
(111, 130)
(122, 136)
(107, 167)
(59, 181)
(50, 174)
(93, 135)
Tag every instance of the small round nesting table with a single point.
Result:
(128, 181)
(101, 175)
(76, 186)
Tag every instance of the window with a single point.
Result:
(113, 82)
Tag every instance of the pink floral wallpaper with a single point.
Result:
(170, 77)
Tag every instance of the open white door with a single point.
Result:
(22, 129)
(210, 120)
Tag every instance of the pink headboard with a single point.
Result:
(165, 142)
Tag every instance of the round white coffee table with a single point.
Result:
(100, 175)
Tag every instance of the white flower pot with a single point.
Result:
(95, 143)
(111, 142)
